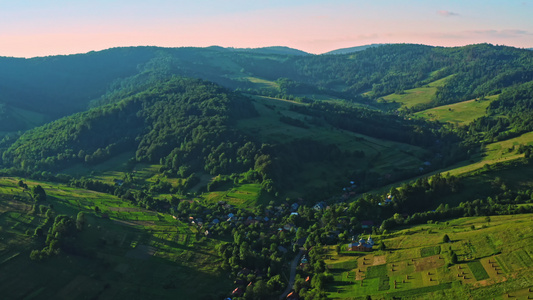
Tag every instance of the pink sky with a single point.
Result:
(40, 28)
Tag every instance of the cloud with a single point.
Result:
(506, 33)
(447, 13)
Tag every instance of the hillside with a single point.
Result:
(119, 251)
(352, 49)
(193, 129)
(57, 86)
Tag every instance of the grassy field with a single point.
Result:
(244, 196)
(461, 113)
(421, 95)
(504, 152)
(124, 252)
(494, 153)
(263, 83)
(495, 261)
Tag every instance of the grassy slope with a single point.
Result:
(117, 264)
(421, 95)
(496, 259)
(461, 113)
(380, 156)
(494, 153)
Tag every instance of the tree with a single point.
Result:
(39, 194)
(80, 220)
(382, 246)
(453, 257)
(445, 239)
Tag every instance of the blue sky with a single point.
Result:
(43, 27)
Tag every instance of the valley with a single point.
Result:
(204, 172)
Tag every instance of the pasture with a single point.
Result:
(495, 255)
(461, 113)
(416, 96)
(123, 251)
(503, 151)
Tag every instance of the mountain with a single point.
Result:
(38, 90)
(181, 113)
(352, 49)
(279, 50)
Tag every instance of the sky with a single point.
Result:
(30, 28)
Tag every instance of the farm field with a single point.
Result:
(495, 261)
(461, 113)
(123, 252)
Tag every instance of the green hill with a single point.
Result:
(121, 251)
(61, 85)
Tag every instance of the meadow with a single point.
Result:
(495, 261)
(461, 113)
(416, 96)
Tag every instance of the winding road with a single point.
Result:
(294, 264)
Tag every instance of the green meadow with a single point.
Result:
(498, 152)
(416, 96)
(461, 113)
(495, 260)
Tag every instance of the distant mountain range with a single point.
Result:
(353, 49)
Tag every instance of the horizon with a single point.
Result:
(249, 48)
(60, 27)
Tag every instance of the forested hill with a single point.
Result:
(51, 87)
(186, 117)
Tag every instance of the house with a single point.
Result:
(365, 246)
(282, 249)
(294, 206)
(320, 205)
(118, 182)
(288, 227)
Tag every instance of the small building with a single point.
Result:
(362, 245)
(294, 206)
(320, 205)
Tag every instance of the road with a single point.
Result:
(294, 264)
